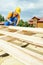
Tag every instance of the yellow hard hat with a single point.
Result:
(18, 10)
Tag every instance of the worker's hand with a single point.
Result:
(16, 24)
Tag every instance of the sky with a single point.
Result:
(29, 8)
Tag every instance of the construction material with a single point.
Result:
(24, 44)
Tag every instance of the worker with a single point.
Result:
(13, 17)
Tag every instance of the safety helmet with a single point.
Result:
(18, 10)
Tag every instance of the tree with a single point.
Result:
(21, 23)
(26, 24)
(1, 18)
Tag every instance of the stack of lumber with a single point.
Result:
(23, 45)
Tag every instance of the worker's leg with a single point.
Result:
(15, 21)
(12, 20)
(6, 23)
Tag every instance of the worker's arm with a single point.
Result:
(18, 20)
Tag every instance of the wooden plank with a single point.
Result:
(27, 29)
(34, 40)
(20, 54)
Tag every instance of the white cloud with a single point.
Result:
(10, 5)
(25, 5)
(7, 5)
(39, 4)
(15, 3)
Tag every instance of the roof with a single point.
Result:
(39, 19)
(36, 18)
(31, 20)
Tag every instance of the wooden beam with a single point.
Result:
(34, 40)
(27, 29)
(20, 54)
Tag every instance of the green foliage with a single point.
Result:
(30, 25)
(21, 23)
(1, 18)
(26, 24)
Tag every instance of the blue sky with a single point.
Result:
(29, 8)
